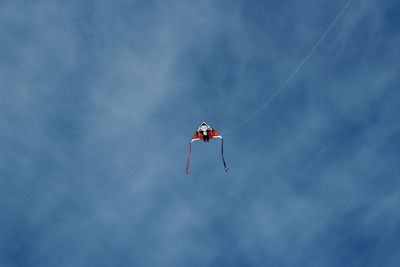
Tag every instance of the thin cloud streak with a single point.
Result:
(99, 100)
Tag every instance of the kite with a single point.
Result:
(205, 133)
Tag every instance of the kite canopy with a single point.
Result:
(205, 132)
(198, 135)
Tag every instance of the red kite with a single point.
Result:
(205, 133)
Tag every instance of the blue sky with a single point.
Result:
(99, 99)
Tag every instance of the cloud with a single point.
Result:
(99, 100)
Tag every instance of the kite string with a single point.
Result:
(294, 72)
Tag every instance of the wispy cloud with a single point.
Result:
(99, 99)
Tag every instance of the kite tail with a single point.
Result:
(188, 160)
(222, 153)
